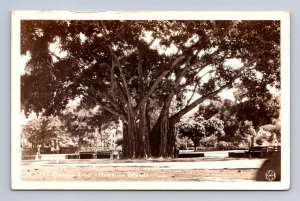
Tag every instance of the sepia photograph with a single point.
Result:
(156, 100)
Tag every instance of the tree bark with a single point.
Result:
(125, 140)
(144, 149)
(171, 136)
(164, 129)
(136, 143)
(162, 137)
(131, 140)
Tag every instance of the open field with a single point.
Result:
(213, 168)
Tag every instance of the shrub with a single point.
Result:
(222, 145)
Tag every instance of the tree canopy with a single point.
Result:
(128, 68)
(237, 114)
(42, 130)
(196, 128)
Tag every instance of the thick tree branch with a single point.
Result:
(197, 84)
(193, 93)
(176, 87)
(188, 108)
(124, 82)
(141, 73)
(117, 62)
(112, 79)
(121, 88)
(106, 96)
(116, 83)
(158, 80)
(103, 30)
(109, 109)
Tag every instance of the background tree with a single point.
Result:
(43, 130)
(247, 133)
(215, 126)
(269, 134)
(193, 129)
(198, 128)
(128, 67)
(260, 110)
(234, 114)
(87, 124)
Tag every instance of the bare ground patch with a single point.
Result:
(141, 170)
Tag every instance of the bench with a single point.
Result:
(72, 156)
(101, 155)
(87, 155)
(236, 154)
(257, 152)
(190, 155)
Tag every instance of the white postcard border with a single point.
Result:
(284, 17)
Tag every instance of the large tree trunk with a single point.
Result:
(144, 145)
(171, 136)
(138, 132)
(130, 142)
(154, 137)
(125, 140)
(163, 130)
(136, 142)
(163, 137)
